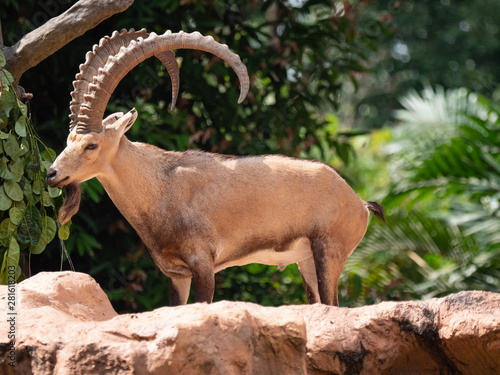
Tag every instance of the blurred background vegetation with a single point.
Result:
(400, 96)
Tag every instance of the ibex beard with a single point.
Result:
(71, 203)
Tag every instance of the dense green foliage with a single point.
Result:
(433, 42)
(320, 71)
(27, 204)
(443, 201)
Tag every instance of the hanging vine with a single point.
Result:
(27, 204)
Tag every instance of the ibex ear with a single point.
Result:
(112, 118)
(120, 122)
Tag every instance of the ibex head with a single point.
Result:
(93, 142)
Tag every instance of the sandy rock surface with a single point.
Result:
(65, 324)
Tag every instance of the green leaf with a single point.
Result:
(16, 215)
(29, 232)
(6, 228)
(50, 154)
(8, 99)
(14, 251)
(11, 147)
(5, 173)
(54, 192)
(50, 228)
(5, 201)
(48, 234)
(2, 60)
(10, 258)
(37, 186)
(20, 127)
(6, 77)
(24, 147)
(40, 246)
(45, 165)
(63, 232)
(17, 169)
(26, 188)
(47, 200)
(24, 110)
(13, 190)
(4, 135)
(34, 199)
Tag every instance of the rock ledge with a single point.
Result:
(65, 324)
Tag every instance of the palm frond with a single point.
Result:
(444, 205)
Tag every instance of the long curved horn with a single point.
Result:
(98, 57)
(168, 59)
(117, 66)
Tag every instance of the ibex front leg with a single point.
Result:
(308, 271)
(179, 290)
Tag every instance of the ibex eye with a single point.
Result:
(91, 146)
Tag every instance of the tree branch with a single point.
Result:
(57, 32)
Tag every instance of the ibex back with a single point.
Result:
(197, 212)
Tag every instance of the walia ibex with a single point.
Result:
(198, 212)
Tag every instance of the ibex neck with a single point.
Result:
(132, 180)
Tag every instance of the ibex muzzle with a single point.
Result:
(197, 212)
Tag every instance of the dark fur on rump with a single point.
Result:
(377, 210)
(71, 203)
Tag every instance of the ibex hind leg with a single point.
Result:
(328, 268)
(308, 271)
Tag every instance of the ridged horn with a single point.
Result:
(118, 65)
(168, 59)
(98, 57)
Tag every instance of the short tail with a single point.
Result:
(376, 209)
